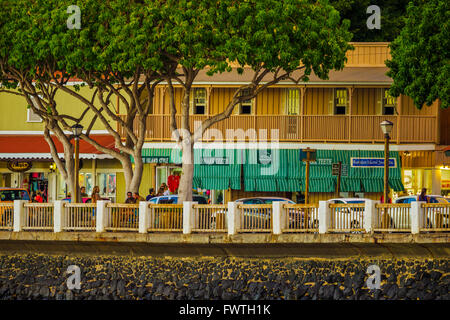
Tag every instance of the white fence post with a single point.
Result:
(188, 216)
(233, 218)
(278, 216)
(19, 215)
(370, 215)
(416, 215)
(144, 216)
(324, 216)
(58, 215)
(102, 216)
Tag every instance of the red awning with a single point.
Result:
(35, 146)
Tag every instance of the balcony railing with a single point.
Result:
(231, 218)
(301, 128)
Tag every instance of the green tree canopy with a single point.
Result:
(420, 64)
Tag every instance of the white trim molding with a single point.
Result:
(292, 145)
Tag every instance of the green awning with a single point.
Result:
(280, 170)
(226, 174)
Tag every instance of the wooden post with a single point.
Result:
(307, 178)
(386, 168)
(399, 111)
(350, 111)
(77, 160)
(338, 187)
(308, 159)
(302, 111)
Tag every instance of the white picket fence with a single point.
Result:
(189, 217)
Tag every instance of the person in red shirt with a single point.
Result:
(38, 197)
(382, 199)
(173, 182)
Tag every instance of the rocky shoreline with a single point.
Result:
(44, 277)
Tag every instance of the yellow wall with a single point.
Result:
(271, 101)
(13, 109)
(408, 108)
(318, 101)
(366, 101)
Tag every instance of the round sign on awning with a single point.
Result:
(19, 166)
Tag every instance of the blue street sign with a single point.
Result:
(372, 162)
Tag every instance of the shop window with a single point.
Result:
(388, 103)
(340, 101)
(246, 106)
(292, 101)
(86, 180)
(107, 185)
(199, 101)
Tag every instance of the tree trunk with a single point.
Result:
(187, 176)
(135, 182)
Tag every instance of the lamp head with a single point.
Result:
(386, 127)
(77, 129)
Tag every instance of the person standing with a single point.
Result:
(38, 197)
(83, 192)
(130, 198)
(95, 194)
(151, 194)
(422, 196)
(137, 197)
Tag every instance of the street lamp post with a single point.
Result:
(386, 127)
(77, 129)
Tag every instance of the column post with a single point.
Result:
(58, 215)
(369, 215)
(279, 216)
(233, 218)
(324, 216)
(144, 216)
(102, 216)
(188, 216)
(19, 215)
(416, 215)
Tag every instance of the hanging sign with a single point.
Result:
(372, 162)
(19, 166)
(155, 159)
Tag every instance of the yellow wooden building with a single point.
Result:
(341, 114)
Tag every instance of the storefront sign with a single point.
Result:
(264, 156)
(156, 159)
(304, 154)
(214, 161)
(322, 162)
(344, 170)
(372, 162)
(336, 167)
(19, 166)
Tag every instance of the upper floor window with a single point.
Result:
(246, 106)
(388, 103)
(340, 101)
(31, 116)
(292, 101)
(199, 101)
